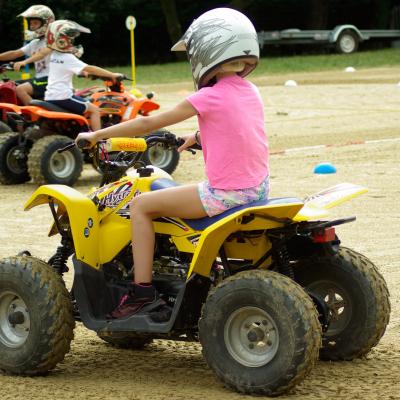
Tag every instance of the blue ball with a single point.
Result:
(325, 168)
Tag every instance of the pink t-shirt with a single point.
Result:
(231, 121)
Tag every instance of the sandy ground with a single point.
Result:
(337, 109)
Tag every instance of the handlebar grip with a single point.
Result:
(196, 146)
(83, 143)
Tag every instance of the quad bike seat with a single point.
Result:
(202, 223)
(47, 106)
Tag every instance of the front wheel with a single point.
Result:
(260, 332)
(36, 320)
(357, 298)
(162, 156)
(46, 165)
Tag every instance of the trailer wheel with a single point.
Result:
(347, 42)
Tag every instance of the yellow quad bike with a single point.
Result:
(266, 288)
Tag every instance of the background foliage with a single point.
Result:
(108, 44)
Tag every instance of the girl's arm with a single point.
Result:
(94, 70)
(39, 55)
(141, 126)
(11, 55)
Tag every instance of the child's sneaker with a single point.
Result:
(132, 303)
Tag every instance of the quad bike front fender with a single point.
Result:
(248, 219)
(82, 215)
(142, 107)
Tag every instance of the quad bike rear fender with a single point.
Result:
(38, 112)
(82, 214)
(317, 205)
(249, 219)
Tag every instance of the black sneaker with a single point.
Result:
(132, 303)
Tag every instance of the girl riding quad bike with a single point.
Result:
(266, 288)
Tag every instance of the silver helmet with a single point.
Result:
(219, 36)
(41, 12)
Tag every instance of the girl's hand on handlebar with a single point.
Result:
(89, 137)
(117, 76)
(18, 65)
(189, 140)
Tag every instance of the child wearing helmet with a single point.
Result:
(222, 48)
(64, 64)
(38, 18)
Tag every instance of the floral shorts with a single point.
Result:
(216, 201)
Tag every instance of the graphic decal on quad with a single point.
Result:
(114, 198)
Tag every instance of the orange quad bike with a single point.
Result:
(40, 129)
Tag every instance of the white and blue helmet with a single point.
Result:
(217, 37)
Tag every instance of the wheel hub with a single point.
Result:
(348, 43)
(251, 336)
(14, 320)
(62, 165)
(337, 300)
(16, 160)
(159, 155)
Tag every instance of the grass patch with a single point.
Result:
(180, 71)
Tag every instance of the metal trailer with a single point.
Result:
(345, 38)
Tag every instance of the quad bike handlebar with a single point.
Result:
(114, 86)
(113, 157)
(6, 67)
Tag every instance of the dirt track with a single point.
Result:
(325, 109)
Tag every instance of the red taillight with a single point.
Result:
(324, 235)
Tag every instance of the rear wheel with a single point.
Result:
(358, 301)
(162, 156)
(36, 321)
(13, 159)
(46, 165)
(260, 332)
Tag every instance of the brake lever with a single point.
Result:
(192, 149)
(67, 147)
(82, 144)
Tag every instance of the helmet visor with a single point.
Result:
(180, 45)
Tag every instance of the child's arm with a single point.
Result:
(39, 55)
(94, 70)
(11, 55)
(141, 126)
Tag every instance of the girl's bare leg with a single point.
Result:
(24, 93)
(95, 122)
(180, 201)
